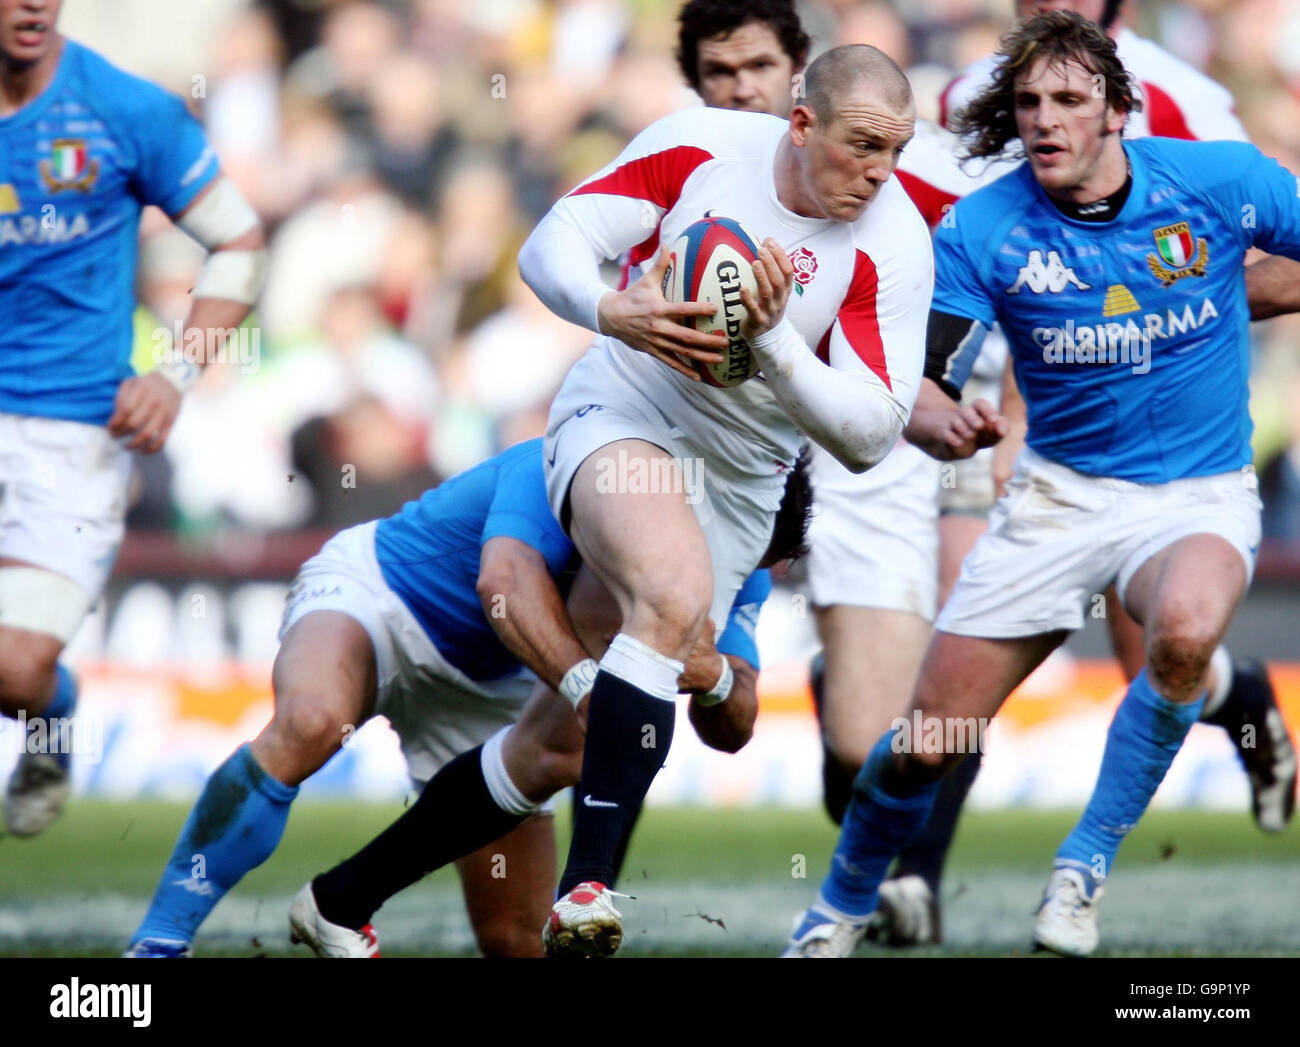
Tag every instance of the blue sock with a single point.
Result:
(235, 825)
(1145, 736)
(60, 707)
(64, 701)
(877, 826)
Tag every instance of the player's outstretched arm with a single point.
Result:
(526, 611)
(221, 221)
(1273, 287)
(946, 430)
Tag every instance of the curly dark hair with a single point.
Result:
(988, 123)
(701, 19)
(790, 531)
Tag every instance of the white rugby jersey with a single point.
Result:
(1179, 101)
(862, 293)
(935, 179)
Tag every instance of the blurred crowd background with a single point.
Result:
(399, 153)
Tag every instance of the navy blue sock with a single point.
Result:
(925, 856)
(1144, 737)
(877, 825)
(233, 828)
(629, 733)
(454, 816)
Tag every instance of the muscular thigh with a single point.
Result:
(324, 681)
(641, 540)
(872, 658)
(1190, 589)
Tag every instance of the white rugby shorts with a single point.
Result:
(734, 503)
(437, 711)
(63, 495)
(1059, 537)
(874, 539)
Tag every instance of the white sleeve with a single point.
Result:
(1211, 116)
(856, 407)
(617, 209)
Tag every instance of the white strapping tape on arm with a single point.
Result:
(721, 690)
(220, 216)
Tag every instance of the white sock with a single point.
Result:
(1221, 665)
(504, 792)
(643, 667)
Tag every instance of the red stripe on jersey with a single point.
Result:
(859, 320)
(1166, 118)
(930, 200)
(647, 248)
(658, 177)
(824, 346)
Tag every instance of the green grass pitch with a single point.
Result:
(1186, 883)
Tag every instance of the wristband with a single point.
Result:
(579, 680)
(720, 690)
(180, 372)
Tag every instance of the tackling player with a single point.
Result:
(821, 187)
(542, 753)
(441, 618)
(1115, 268)
(85, 147)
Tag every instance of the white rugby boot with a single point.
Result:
(330, 941)
(37, 792)
(819, 936)
(1067, 917)
(908, 914)
(584, 923)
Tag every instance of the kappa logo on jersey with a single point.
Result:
(1052, 276)
(1174, 242)
(69, 166)
(805, 268)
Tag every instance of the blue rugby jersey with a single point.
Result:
(77, 165)
(429, 556)
(1129, 337)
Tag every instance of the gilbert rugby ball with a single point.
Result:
(710, 262)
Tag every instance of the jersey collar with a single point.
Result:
(1136, 202)
(42, 101)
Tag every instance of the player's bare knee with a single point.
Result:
(1179, 654)
(672, 614)
(311, 728)
(508, 936)
(559, 768)
(26, 674)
